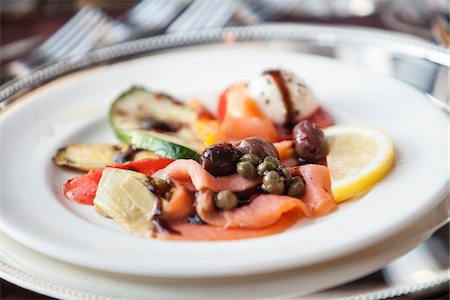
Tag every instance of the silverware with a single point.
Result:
(78, 35)
(91, 28)
(18, 48)
(147, 17)
(205, 14)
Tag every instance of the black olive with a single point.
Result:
(258, 146)
(220, 159)
(310, 143)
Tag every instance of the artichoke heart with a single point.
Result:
(123, 196)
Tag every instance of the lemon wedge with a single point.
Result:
(358, 158)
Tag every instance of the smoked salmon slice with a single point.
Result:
(192, 232)
(180, 205)
(262, 211)
(318, 196)
(265, 214)
(191, 174)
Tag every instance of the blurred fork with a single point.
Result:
(91, 28)
(202, 14)
(147, 17)
(76, 36)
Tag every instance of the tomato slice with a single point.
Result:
(82, 188)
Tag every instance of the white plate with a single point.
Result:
(74, 108)
(32, 270)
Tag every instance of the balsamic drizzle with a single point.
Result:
(286, 97)
(159, 224)
(246, 196)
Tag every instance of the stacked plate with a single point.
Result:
(65, 250)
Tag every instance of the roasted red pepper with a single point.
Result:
(321, 118)
(82, 188)
(222, 105)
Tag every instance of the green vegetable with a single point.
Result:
(273, 183)
(273, 160)
(247, 170)
(296, 187)
(265, 166)
(86, 157)
(254, 159)
(156, 122)
(287, 174)
(123, 196)
(161, 145)
(225, 200)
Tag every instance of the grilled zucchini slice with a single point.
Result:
(156, 122)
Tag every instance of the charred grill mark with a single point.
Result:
(149, 123)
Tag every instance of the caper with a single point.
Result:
(273, 160)
(225, 200)
(287, 174)
(254, 159)
(265, 166)
(247, 170)
(296, 187)
(273, 183)
(271, 177)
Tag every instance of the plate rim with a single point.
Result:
(323, 34)
(437, 196)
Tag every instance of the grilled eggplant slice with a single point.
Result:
(86, 157)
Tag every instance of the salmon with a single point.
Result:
(318, 196)
(180, 205)
(192, 232)
(192, 175)
(262, 211)
(265, 214)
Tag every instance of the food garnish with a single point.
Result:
(262, 163)
(358, 158)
